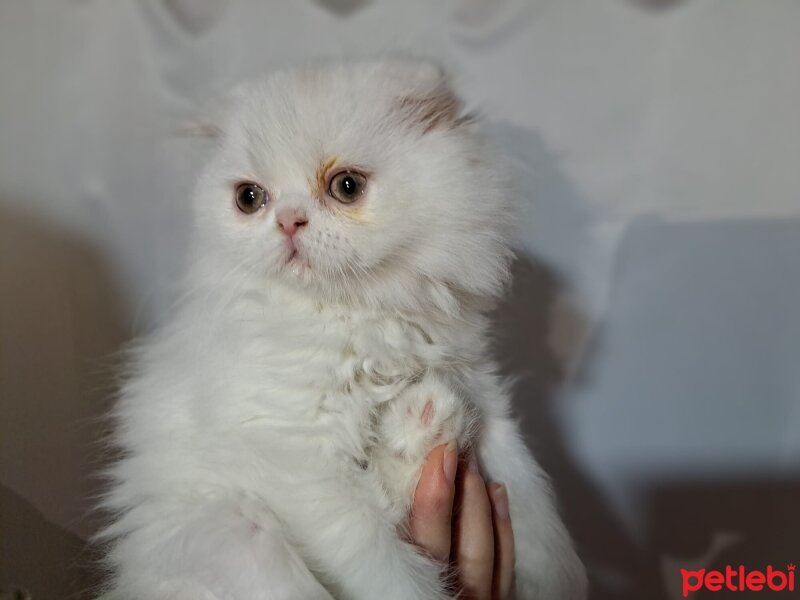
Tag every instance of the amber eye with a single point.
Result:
(347, 186)
(250, 197)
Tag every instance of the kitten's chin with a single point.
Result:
(297, 271)
(296, 265)
(328, 283)
(299, 267)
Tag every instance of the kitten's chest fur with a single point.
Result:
(325, 372)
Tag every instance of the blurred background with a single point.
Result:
(655, 313)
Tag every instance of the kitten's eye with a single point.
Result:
(250, 197)
(347, 186)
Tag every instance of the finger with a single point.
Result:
(474, 537)
(431, 513)
(503, 542)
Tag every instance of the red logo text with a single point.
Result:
(738, 580)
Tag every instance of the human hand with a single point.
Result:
(457, 518)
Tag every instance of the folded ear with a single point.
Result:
(440, 108)
(429, 102)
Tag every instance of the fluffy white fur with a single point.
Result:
(272, 430)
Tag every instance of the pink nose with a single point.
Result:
(290, 220)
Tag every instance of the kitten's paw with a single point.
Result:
(425, 415)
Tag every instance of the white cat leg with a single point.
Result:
(547, 567)
(351, 540)
(224, 550)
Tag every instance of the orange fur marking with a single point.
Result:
(318, 189)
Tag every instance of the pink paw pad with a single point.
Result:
(427, 413)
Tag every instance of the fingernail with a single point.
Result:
(450, 462)
(472, 464)
(499, 500)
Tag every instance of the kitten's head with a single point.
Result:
(359, 182)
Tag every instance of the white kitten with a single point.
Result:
(351, 232)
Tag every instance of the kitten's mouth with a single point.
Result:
(296, 261)
(291, 251)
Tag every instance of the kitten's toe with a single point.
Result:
(427, 414)
(422, 417)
